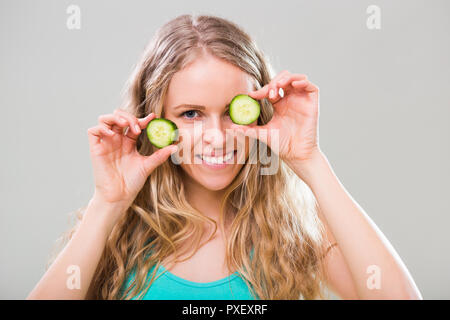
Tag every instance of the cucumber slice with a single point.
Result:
(162, 132)
(244, 109)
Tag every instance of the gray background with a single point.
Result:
(384, 112)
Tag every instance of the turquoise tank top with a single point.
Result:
(171, 287)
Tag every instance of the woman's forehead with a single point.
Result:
(210, 80)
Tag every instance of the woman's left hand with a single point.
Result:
(295, 116)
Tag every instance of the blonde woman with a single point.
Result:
(155, 229)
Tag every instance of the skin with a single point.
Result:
(212, 83)
(120, 172)
(348, 265)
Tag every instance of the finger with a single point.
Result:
(274, 88)
(95, 134)
(305, 85)
(286, 81)
(270, 90)
(248, 131)
(143, 122)
(132, 122)
(264, 91)
(113, 122)
(158, 157)
(260, 93)
(272, 94)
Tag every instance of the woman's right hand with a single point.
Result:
(119, 170)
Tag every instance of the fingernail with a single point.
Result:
(271, 93)
(173, 149)
(137, 128)
(122, 120)
(110, 131)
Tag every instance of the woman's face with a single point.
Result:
(198, 97)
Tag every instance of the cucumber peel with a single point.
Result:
(244, 109)
(162, 132)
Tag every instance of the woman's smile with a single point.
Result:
(218, 162)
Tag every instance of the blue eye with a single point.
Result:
(189, 114)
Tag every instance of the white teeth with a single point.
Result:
(228, 156)
(219, 160)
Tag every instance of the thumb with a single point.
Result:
(249, 131)
(158, 157)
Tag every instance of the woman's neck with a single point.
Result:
(207, 201)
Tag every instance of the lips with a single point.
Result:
(224, 158)
(216, 154)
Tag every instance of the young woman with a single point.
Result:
(155, 229)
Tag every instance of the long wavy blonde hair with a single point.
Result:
(275, 215)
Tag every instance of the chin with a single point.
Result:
(211, 177)
(215, 183)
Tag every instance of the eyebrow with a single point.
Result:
(188, 105)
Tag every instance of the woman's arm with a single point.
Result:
(361, 244)
(120, 172)
(363, 250)
(83, 252)
(338, 276)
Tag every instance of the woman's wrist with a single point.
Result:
(305, 168)
(103, 213)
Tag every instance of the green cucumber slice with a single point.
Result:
(244, 109)
(162, 132)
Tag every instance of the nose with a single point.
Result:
(213, 132)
